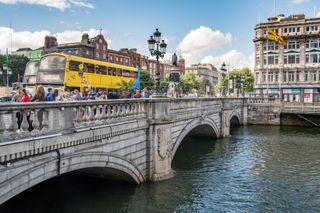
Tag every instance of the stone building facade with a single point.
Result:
(290, 71)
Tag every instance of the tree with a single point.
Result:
(236, 75)
(146, 80)
(164, 83)
(202, 86)
(17, 65)
(189, 82)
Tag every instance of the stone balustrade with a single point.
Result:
(51, 117)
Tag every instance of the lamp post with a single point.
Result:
(159, 50)
(223, 70)
(6, 72)
(242, 85)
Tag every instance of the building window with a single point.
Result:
(100, 40)
(292, 45)
(87, 52)
(117, 59)
(273, 46)
(127, 60)
(306, 76)
(104, 47)
(97, 55)
(284, 76)
(257, 77)
(291, 59)
(276, 77)
(97, 45)
(263, 77)
(313, 76)
(270, 77)
(104, 56)
(298, 77)
(291, 76)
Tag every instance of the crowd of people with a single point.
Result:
(53, 95)
(89, 94)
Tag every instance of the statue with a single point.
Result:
(174, 60)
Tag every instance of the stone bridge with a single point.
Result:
(134, 140)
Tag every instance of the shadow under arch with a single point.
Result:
(234, 119)
(198, 127)
(97, 162)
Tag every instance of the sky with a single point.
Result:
(202, 31)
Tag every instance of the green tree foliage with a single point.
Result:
(146, 80)
(202, 86)
(189, 81)
(164, 83)
(17, 65)
(236, 75)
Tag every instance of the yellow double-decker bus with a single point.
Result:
(63, 71)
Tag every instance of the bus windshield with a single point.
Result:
(31, 68)
(30, 72)
(51, 69)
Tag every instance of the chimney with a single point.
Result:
(46, 42)
(85, 38)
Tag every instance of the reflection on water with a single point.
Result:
(258, 169)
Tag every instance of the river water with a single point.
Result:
(258, 169)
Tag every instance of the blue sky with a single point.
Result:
(201, 30)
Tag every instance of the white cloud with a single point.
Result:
(36, 39)
(58, 4)
(318, 14)
(233, 59)
(298, 1)
(200, 41)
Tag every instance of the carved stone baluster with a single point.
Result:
(127, 109)
(24, 125)
(45, 123)
(3, 128)
(135, 109)
(92, 115)
(103, 112)
(80, 114)
(118, 110)
(86, 116)
(98, 114)
(13, 127)
(35, 123)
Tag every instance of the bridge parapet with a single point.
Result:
(45, 118)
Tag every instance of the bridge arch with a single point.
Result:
(235, 118)
(49, 168)
(206, 124)
(87, 160)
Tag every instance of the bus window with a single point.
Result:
(88, 68)
(134, 74)
(101, 70)
(119, 72)
(126, 73)
(111, 71)
(52, 62)
(74, 65)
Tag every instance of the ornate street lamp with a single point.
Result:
(159, 50)
(223, 70)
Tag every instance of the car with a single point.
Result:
(5, 98)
